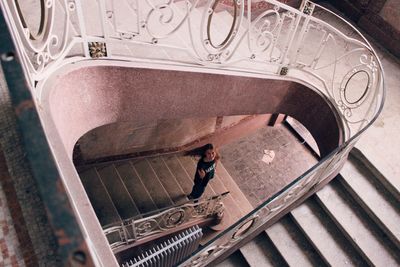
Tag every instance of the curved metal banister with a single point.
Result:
(153, 223)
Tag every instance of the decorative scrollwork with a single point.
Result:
(263, 30)
(244, 228)
(175, 218)
(166, 220)
(162, 21)
(200, 209)
(146, 227)
(40, 43)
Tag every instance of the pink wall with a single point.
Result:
(95, 96)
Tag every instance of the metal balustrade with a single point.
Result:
(162, 222)
(280, 41)
(274, 41)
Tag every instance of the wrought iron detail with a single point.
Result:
(231, 33)
(131, 230)
(283, 71)
(308, 8)
(271, 41)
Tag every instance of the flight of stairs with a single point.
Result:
(353, 221)
(134, 188)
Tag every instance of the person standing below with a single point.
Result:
(205, 170)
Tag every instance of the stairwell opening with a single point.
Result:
(143, 97)
(155, 174)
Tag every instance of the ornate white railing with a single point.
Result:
(230, 35)
(132, 230)
(259, 38)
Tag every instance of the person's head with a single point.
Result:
(209, 152)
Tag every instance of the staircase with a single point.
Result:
(132, 189)
(353, 221)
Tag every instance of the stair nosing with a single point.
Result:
(370, 211)
(158, 178)
(126, 189)
(346, 233)
(172, 174)
(144, 186)
(108, 194)
(311, 238)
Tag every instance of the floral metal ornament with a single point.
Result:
(97, 49)
(283, 71)
(308, 8)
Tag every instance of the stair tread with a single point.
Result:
(373, 197)
(185, 181)
(292, 245)
(325, 236)
(152, 184)
(136, 188)
(120, 196)
(103, 206)
(261, 252)
(378, 166)
(169, 182)
(355, 226)
(234, 189)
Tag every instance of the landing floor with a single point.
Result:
(257, 179)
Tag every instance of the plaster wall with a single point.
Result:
(127, 138)
(91, 97)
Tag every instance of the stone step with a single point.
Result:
(370, 242)
(292, 244)
(120, 196)
(135, 186)
(377, 168)
(373, 197)
(181, 176)
(103, 206)
(241, 201)
(234, 260)
(152, 183)
(261, 252)
(326, 238)
(190, 167)
(175, 191)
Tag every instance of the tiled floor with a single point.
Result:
(257, 179)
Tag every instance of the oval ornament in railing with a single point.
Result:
(33, 16)
(244, 228)
(215, 37)
(355, 87)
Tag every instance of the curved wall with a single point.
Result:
(95, 96)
